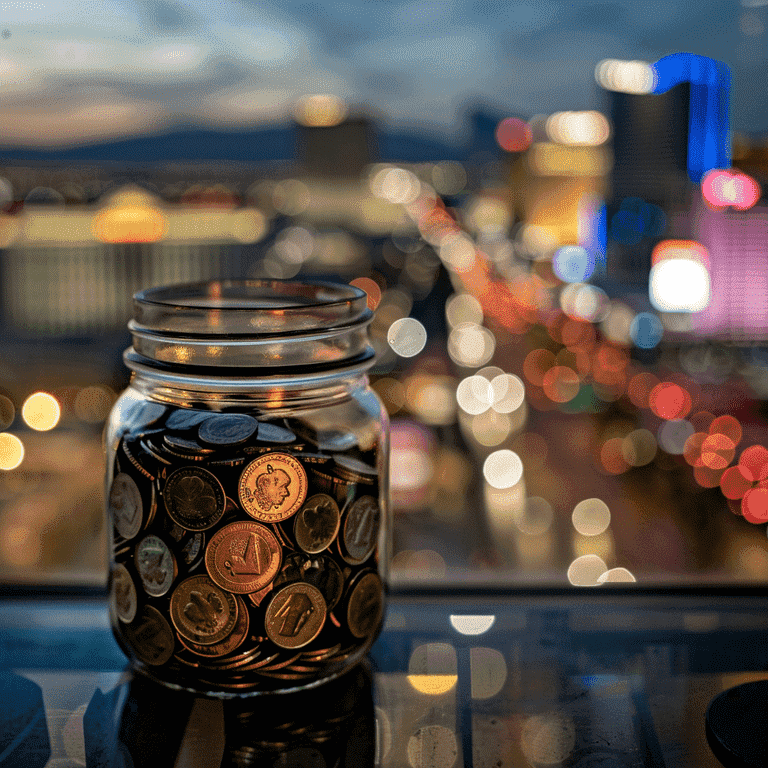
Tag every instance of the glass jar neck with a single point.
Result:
(260, 341)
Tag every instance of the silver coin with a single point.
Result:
(227, 429)
(271, 433)
(125, 505)
(185, 418)
(156, 565)
(360, 530)
(123, 594)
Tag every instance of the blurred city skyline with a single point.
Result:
(75, 72)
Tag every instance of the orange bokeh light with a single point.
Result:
(536, 364)
(669, 401)
(692, 449)
(707, 477)
(561, 384)
(734, 484)
(514, 135)
(640, 387)
(717, 451)
(728, 426)
(612, 456)
(371, 287)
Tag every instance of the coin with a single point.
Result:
(125, 505)
(156, 565)
(365, 605)
(317, 523)
(194, 498)
(150, 637)
(257, 597)
(192, 548)
(124, 598)
(323, 572)
(143, 413)
(295, 615)
(243, 557)
(273, 487)
(360, 530)
(271, 433)
(129, 449)
(228, 644)
(185, 418)
(227, 429)
(354, 470)
(202, 611)
(183, 445)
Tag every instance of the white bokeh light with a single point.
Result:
(503, 469)
(407, 337)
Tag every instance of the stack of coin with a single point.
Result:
(234, 570)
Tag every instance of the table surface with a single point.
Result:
(459, 677)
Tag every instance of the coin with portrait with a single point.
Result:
(126, 506)
(202, 611)
(194, 498)
(317, 523)
(295, 615)
(273, 487)
(243, 557)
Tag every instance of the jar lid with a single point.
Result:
(241, 324)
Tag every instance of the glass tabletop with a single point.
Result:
(458, 677)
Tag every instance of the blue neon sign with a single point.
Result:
(709, 142)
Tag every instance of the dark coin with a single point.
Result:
(185, 445)
(354, 470)
(184, 419)
(360, 530)
(194, 498)
(365, 605)
(125, 505)
(123, 594)
(231, 643)
(227, 429)
(272, 434)
(130, 449)
(317, 523)
(292, 570)
(323, 572)
(295, 615)
(150, 636)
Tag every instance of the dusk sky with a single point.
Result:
(96, 69)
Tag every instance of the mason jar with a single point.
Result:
(247, 487)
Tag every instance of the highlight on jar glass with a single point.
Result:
(247, 487)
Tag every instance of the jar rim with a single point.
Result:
(264, 324)
(246, 307)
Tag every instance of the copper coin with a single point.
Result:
(123, 594)
(150, 636)
(273, 487)
(126, 506)
(295, 615)
(202, 611)
(194, 498)
(243, 557)
(317, 523)
(365, 605)
(360, 530)
(230, 643)
(257, 597)
(156, 565)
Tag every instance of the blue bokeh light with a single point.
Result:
(646, 330)
(573, 263)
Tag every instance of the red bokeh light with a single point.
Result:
(733, 484)
(754, 505)
(612, 456)
(640, 387)
(669, 401)
(706, 477)
(723, 188)
(514, 135)
(561, 384)
(536, 364)
(728, 426)
(753, 463)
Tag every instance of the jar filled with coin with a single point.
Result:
(247, 487)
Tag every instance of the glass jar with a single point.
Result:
(247, 487)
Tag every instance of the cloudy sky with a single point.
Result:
(86, 70)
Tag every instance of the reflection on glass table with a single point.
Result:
(620, 677)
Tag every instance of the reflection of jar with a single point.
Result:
(233, 569)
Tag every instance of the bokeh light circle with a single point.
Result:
(503, 469)
(11, 451)
(41, 411)
(407, 337)
(591, 517)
